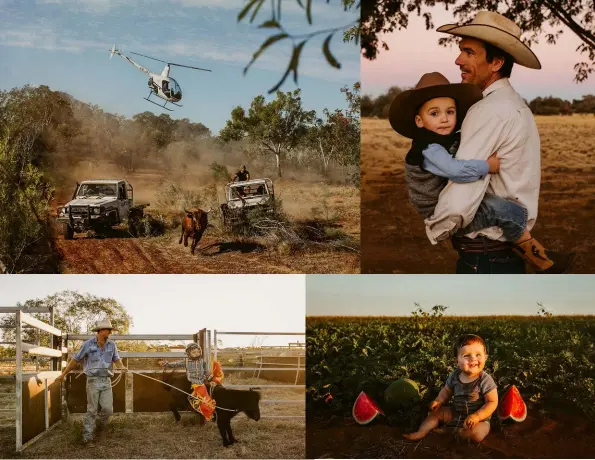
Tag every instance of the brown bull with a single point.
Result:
(194, 224)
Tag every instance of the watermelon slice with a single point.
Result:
(365, 410)
(512, 406)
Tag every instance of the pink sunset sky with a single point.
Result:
(415, 51)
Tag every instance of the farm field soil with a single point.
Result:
(536, 437)
(220, 254)
(393, 234)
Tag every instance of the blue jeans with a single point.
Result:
(495, 211)
(491, 263)
(99, 394)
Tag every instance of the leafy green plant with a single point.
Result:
(551, 360)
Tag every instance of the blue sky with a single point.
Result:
(183, 304)
(466, 295)
(64, 44)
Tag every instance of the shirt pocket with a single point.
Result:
(94, 357)
(107, 356)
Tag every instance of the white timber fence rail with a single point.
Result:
(33, 359)
(37, 395)
(298, 367)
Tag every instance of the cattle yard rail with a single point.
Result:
(299, 367)
(54, 402)
(37, 396)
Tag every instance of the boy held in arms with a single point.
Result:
(431, 115)
(473, 391)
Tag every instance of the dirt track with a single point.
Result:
(393, 234)
(536, 437)
(213, 255)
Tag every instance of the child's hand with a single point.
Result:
(471, 420)
(494, 163)
(161, 363)
(435, 405)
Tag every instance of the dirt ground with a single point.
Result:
(393, 235)
(335, 207)
(536, 437)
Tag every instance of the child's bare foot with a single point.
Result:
(416, 436)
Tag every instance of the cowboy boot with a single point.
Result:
(544, 261)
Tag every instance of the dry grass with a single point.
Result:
(156, 435)
(394, 239)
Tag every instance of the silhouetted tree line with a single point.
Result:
(379, 106)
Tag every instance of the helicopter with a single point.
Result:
(161, 85)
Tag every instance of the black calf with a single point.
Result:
(235, 401)
(229, 404)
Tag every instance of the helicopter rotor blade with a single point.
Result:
(189, 67)
(138, 54)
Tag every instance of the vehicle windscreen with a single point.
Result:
(247, 191)
(97, 189)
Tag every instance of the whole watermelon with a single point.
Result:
(402, 394)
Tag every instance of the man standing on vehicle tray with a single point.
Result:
(97, 355)
(242, 175)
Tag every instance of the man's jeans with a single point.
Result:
(497, 262)
(99, 394)
(495, 211)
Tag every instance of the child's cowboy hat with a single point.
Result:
(103, 324)
(499, 31)
(431, 85)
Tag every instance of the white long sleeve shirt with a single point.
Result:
(501, 122)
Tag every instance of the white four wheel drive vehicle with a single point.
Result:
(99, 205)
(252, 196)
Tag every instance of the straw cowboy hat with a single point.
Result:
(499, 31)
(406, 104)
(103, 324)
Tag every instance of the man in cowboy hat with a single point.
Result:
(98, 354)
(431, 115)
(501, 122)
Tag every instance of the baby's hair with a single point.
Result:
(467, 339)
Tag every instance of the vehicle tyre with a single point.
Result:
(134, 222)
(133, 227)
(67, 231)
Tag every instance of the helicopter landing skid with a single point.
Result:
(162, 106)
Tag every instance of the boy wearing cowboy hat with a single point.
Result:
(197, 374)
(98, 354)
(500, 122)
(430, 115)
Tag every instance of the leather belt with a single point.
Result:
(480, 244)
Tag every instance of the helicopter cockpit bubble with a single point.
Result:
(176, 91)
